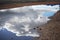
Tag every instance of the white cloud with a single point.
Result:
(22, 20)
(46, 8)
(3, 10)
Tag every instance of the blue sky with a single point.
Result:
(7, 35)
(48, 14)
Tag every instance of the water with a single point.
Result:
(6, 35)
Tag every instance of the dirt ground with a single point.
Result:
(13, 5)
(51, 30)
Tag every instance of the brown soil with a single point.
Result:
(12, 5)
(51, 30)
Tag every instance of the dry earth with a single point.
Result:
(51, 30)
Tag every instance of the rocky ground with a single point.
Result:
(51, 30)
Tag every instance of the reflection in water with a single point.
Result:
(21, 23)
(7, 35)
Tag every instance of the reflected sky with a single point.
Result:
(48, 14)
(6, 34)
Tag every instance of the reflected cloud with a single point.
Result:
(23, 20)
